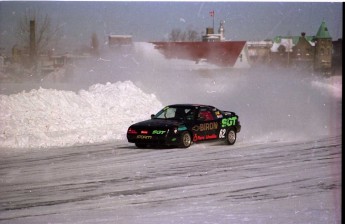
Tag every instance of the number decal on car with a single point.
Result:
(222, 133)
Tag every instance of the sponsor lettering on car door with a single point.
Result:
(206, 126)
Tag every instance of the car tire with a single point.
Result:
(186, 140)
(231, 137)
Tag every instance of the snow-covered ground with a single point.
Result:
(296, 182)
(64, 157)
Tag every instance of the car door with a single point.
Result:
(222, 129)
(206, 126)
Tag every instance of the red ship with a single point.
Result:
(213, 49)
(222, 53)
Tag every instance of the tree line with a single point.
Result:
(187, 35)
(48, 35)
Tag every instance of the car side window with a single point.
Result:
(205, 115)
(190, 114)
(166, 113)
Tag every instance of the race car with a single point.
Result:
(180, 125)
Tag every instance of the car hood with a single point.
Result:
(158, 123)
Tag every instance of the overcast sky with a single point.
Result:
(153, 21)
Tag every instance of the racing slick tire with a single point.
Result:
(186, 140)
(231, 137)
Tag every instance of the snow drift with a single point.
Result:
(49, 117)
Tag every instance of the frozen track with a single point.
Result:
(296, 182)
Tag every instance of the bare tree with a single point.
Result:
(45, 34)
(178, 35)
(192, 35)
(183, 36)
(175, 35)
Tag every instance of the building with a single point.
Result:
(302, 55)
(306, 52)
(323, 49)
(259, 52)
(119, 40)
(337, 56)
(283, 47)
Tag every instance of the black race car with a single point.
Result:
(182, 124)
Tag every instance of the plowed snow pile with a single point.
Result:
(48, 117)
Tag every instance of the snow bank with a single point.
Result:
(48, 117)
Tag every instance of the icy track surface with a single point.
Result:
(297, 182)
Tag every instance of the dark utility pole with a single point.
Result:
(32, 50)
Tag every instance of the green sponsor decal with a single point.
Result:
(158, 132)
(227, 122)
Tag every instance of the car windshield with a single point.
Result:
(176, 113)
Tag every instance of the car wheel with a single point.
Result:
(186, 140)
(231, 136)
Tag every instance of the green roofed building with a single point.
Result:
(323, 32)
(323, 49)
(305, 51)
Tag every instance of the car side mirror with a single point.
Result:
(152, 116)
